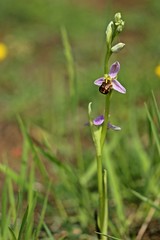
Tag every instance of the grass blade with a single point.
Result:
(4, 203)
(48, 231)
(156, 107)
(43, 211)
(70, 62)
(11, 198)
(154, 130)
(12, 233)
(10, 173)
(116, 192)
(110, 237)
(145, 199)
(23, 225)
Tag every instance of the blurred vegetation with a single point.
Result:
(35, 84)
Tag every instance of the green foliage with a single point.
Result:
(51, 90)
(16, 221)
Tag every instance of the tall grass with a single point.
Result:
(18, 209)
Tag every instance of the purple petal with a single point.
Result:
(99, 81)
(117, 86)
(114, 69)
(116, 128)
(98, 121)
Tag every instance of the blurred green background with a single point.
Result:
(33, 75)
(34, 81)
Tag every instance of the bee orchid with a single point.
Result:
(99, 121)
(109, 81)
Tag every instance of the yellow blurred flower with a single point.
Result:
(157, 70)
(3, 51)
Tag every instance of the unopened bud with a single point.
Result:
(120, 28)
(119, 23)
(117, 17)
(109, 32)
(118, 47)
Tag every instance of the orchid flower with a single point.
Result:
(111, 79)
(99, 121)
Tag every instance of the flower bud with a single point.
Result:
(120, 28)
(109, 32)
(119, 23)
(117, 17)
(118, 47)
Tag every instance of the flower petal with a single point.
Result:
(114, 69)
(98, 120)
(113, 127)
(117, 86)
(99, 81)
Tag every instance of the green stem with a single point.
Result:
(108, 54)
(102, 178)
(106, 114)
(103, 199)
(105, 205)
(100, 190)
(96, 136)
(107, 99)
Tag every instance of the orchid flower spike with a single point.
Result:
(99, 121)
(109, 81)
